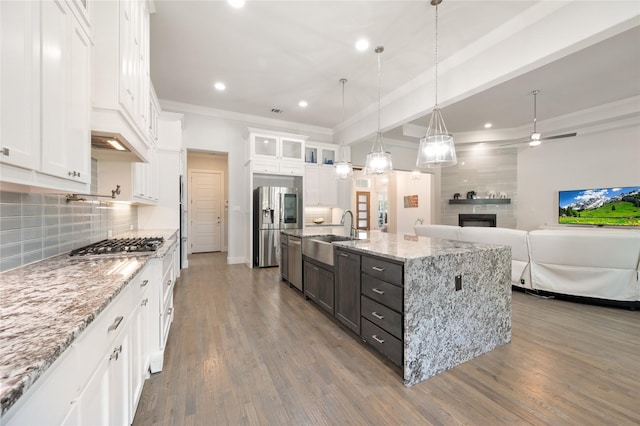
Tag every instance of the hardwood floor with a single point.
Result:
(245, 348)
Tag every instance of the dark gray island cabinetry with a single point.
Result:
(402, 295)
(348, 288)
(319, 284)
(382, 306)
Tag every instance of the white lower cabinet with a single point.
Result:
(105, 399)
(162, 305)
(98, 380)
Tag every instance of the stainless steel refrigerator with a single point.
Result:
(274, 208)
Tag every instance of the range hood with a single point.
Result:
(113, 147)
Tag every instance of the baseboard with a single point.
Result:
(235, 260)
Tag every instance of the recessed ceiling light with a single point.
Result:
(220, 86)
(302, 104)
(236, 3)
(362, 45)
(488, 125)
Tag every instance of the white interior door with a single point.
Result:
(206, 211)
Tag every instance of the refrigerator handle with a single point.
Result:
(281, 209)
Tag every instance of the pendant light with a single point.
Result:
(534, 139)
(379, 159)
(436, 147)
(344, 169)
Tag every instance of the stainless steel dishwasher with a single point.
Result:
(295, 262)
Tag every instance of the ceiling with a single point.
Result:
(272, 54)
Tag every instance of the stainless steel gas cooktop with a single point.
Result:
(121, 246)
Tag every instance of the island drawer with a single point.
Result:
(388, 294)
(384, 342)
(382, 316)
(382, 269)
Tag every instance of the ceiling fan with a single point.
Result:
(536, 138)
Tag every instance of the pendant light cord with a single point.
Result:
(378, 51)
(436, 48)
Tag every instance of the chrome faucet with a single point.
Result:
(353, 232)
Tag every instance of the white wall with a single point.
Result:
(166, 213)
(594, 160)
(206, 133)
(405, 217)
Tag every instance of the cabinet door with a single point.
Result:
(328, 186)
(284, 261)
(79, 133)
(64, 96)
(292, 149)
(311, 281)
(347, 292)
(312, 185)
(94, 400)
(127, 56)
(119, 383)
(264, 146)
(54, 71)
(325, 289)
(19, 84)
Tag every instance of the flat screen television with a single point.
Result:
(601, 207)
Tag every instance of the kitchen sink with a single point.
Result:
(319, 247)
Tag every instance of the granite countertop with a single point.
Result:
(402, 247)
(46, 305)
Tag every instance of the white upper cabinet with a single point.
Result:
(64, 94)
(45, 95)
(120, 71)
(276, 153)
(19, 87)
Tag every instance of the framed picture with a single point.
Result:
(410, 201)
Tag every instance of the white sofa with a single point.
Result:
(520, 274)
(588, 263)
(593, 263)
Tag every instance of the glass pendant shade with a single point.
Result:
(344, 169)
(378, 160)
(436, 148)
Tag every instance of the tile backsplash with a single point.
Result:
(37, 226)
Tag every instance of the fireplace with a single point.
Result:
(477, 220)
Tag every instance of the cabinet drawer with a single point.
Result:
(384, 342)
(382, 269)
(94, 342)
(382, 316)
(388, 294)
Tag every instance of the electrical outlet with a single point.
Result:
(458, 282)
(522, 281)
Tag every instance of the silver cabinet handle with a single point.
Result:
(377, 339)
(5, 151)
(377, 315)
(375, 290)
(116, 353)
(169, 311)
(144, 283)
(344, 255)
(144, 302)
(116, 323)
(315, 268)
(169, 282)
(375, 268)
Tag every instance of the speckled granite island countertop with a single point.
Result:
(45, 306)
(443, 327)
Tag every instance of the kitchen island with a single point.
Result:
(453, 298)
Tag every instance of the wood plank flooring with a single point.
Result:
(245, 349)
